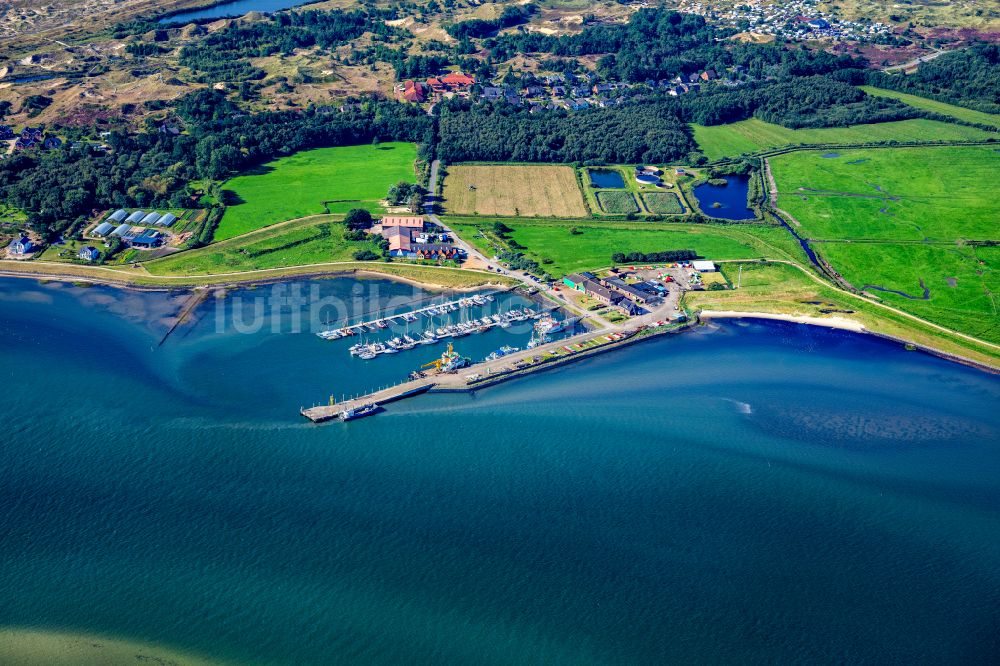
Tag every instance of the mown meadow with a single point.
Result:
(750, 136)
(312, 182)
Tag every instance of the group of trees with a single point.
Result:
(224, 54)
(654, 257)
(805, 101)
(969, 77)
(410, 194)
(474, 28)
(642, 132)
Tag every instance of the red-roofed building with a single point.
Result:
(457, 80)
(405, 221)
(414, 91)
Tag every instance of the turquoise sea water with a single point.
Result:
(753, 492)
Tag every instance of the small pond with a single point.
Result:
(235, 8)
(605, 178)
(32, 78)
(731, 199)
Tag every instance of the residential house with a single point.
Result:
(415, 91)
(89, 253)
(458, 81)
(21, 246)
(435, 251)
(708, 75)
(492, 93)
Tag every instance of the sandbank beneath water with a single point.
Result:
(39, 647)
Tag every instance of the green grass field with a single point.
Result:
(617, 202)
(662, 203)
(593, 246)
(940, 194)
(963, 281)
(892, 218)
(294, 244)
(960, 112)
(297, 186)
(748, 136)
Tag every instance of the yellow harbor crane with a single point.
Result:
(445, 359)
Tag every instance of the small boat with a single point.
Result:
(381, 323)
(352, 413)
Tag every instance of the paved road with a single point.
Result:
(914, 62)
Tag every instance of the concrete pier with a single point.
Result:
(321, 413)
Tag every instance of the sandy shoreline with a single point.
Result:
(844, 324)
(841, 323)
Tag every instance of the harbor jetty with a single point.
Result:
(320, 413)
(494, 371)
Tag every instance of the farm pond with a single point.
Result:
(605, 178)
(727, 201)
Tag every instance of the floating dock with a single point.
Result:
(432, 310)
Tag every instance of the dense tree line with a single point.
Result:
(642, 132)
(152, 169)
(654, 257)
(651, 130)
(969, 77)
(808, 101)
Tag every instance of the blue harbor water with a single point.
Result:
(750, 492)
(235, 8)
(731, 197)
